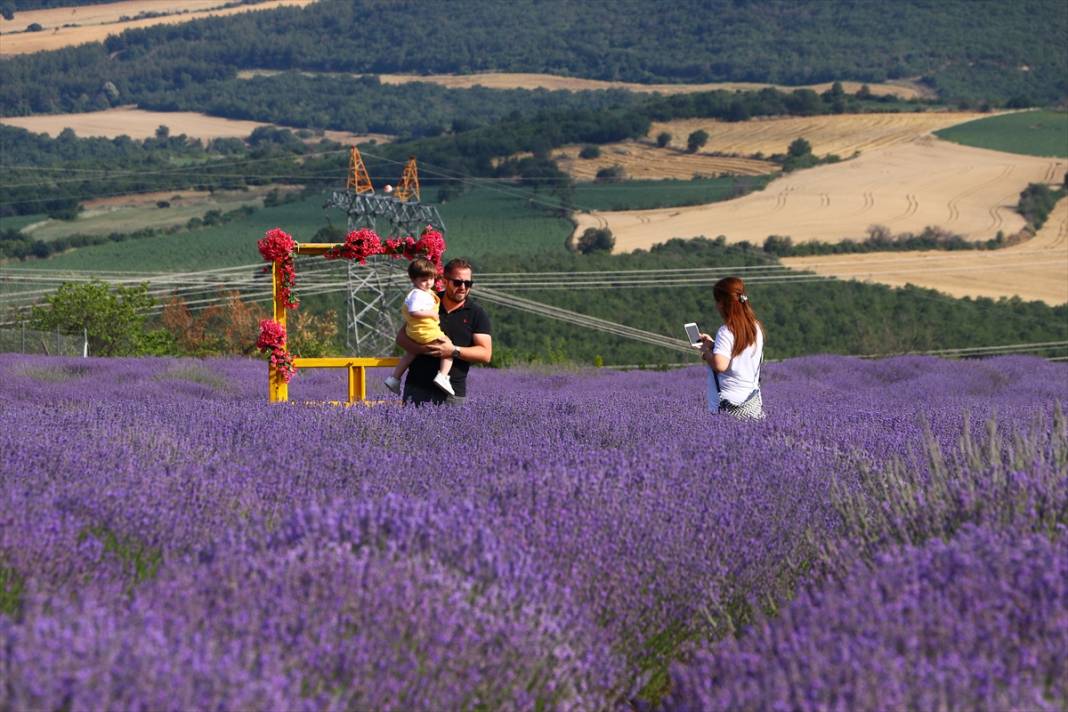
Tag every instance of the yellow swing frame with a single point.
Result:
(277, 388)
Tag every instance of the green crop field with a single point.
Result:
(1033, 133)
(483, 221)
(18, 222)
(131, 218)
(650, 194)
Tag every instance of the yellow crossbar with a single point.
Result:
(315, 248)
(357, 370)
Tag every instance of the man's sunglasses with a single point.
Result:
(462, 283)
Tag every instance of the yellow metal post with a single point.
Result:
(278, 389)
(357, 383)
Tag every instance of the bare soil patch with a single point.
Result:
(139, 124)
(67, 26)
(905, 186)
(1034, 270)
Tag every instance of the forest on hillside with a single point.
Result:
(967, 50)
(69, 168)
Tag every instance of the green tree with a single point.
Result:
(596, 240)
(114, 318)
(800, 147)
(696, 141)
(663, 139)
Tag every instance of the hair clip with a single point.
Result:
(743, 298)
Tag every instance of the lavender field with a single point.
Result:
(893, 536)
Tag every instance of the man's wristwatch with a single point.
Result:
(456, 352)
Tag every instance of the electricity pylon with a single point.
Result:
(376, 289)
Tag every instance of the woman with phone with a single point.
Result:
(735, 354)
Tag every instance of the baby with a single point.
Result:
(421, 323)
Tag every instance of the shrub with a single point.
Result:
(596, 240)
(696, 140)
(610, 174)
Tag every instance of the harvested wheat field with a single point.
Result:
(68, 26)
(841, 134)
(501, 80)
(643, 161)
(1034, 270)
(906, 187)
(137, 123)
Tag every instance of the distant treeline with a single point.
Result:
(364, 104)
(967, 50)
(80, 169)
(821, 316)
(53, 176)
(9, 7)
(880, 239)
(12, 6)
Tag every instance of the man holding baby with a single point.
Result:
(468, 339)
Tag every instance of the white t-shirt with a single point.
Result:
(419, 300)
(740, 378)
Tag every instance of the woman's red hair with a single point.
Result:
(737, 314)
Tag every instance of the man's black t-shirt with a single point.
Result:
(460, 325)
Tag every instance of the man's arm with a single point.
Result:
(406, 343)
(481, 351)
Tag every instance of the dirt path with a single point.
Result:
(68, 26)
(905, 187)
(140, 124)
(1034, 270)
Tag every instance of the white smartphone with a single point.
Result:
(693, 334)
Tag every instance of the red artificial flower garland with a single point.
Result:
(365, 242)
(278, 246)
(273, 339)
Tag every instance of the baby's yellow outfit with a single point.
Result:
(422, 330)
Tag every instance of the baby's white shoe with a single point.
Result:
(442, 381)
(393, 384)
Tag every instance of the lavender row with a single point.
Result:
(978, 622)
(552, 535)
